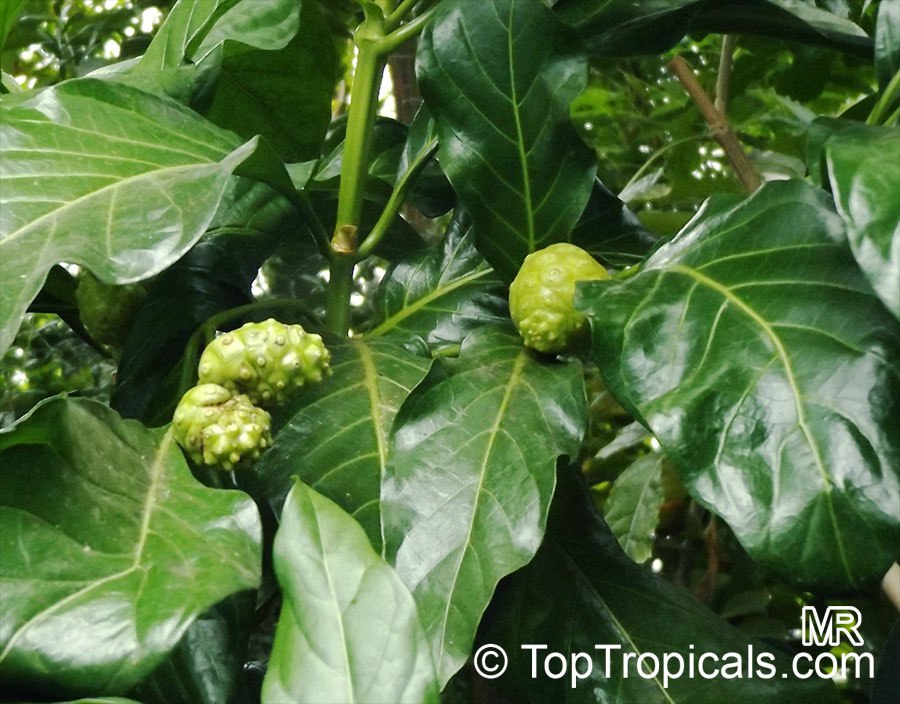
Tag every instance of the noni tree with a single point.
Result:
(583, 355)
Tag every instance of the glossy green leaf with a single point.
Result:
(754, 349)
(442, 294)
(337, 441)
(581, 591)
(110, 549)
(283, 95)
(9, 15)
(864, 170)
(348, 631)
(194, 27)
(105, 176)
(610, 231)
(887, 42)
(470, 475)
(431, 192)
(498, 78)
(632, 510)
(208, 663)
(624, 28)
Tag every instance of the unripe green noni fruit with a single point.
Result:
(267, 361)
(107, 310)
(219, 429)
(542, 297)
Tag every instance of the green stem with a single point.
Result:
(891, 91)
(360, 121)
(393, 20)
(395, 202)
(357, 144)
(405, 32)
(340, 286)
(373, 43)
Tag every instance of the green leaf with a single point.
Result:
(632, 510)
(624, 28)
(193, 28)
(442, 294)
(104, 176)
(9, 15)
(887, 42)
(337, 441)
(110, 549)
(610, 231)
(754, 349)
(348, 631)
(581, 591)
(431, 192)
(865, 178)
(207, 665)
(283, 95)
(499, 77)
(470, 476)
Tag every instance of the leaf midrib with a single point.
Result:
(520, 138)
(156, 470)
(416, 306)
(511, 384)
(34, 224)
(802, 422)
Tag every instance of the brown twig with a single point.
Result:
(719, 129)
(707, 586)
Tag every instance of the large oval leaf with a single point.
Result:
(337, 442)
(110, 549)
(283, 95)
(864, 171)
(348, 631)
(499, 78)
(755, 350)
(470, 476)
(105, 176)
(443, 294)
(580, 591)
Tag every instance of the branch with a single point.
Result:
(719, 129)
(723, 81)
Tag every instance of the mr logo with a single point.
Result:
(836, 620)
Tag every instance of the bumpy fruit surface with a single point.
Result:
(267, 361)
(542, 297)
(106, 310)
(219, 429)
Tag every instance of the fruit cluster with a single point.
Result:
(221, 422)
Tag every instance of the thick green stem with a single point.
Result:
(340, 286)
(360, 121)
(373, 43)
